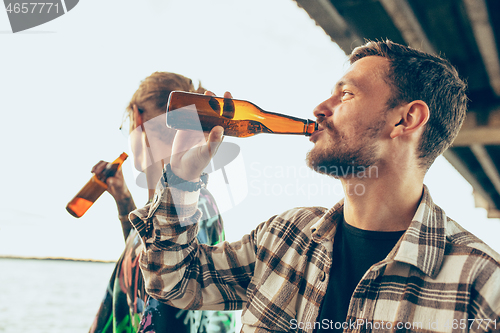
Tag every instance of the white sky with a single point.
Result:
(66, 83)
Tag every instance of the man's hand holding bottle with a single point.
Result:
(192, 150)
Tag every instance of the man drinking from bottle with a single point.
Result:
(387, 259)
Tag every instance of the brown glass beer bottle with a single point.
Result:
(239, 118)
(94, 188)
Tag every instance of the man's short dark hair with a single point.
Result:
(415, 75)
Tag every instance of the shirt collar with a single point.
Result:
(325, 228)
(422, 245)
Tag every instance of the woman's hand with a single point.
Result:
(116, 184)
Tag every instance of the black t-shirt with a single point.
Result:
(354, 252)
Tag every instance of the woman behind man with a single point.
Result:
(126, 307)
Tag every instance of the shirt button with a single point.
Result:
(322, 276)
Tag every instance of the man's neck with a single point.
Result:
(381, 204)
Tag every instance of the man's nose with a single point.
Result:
(325, 109)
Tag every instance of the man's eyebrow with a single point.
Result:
(342, 83)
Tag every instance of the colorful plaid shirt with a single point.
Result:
(438, 277)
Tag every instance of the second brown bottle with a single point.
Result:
(96, 186)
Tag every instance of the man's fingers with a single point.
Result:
(227, 94)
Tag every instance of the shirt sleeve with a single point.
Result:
(180, 271)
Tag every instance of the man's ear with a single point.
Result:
(138, 119)
(413, 116)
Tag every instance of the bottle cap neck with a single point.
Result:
(310, 127)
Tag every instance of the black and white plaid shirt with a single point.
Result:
(438, 277)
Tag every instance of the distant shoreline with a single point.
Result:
(58, 259)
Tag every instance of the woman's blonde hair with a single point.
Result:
(154, 91)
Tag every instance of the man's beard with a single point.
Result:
(343, 160)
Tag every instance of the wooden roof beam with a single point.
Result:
(407, 23)
(327, 17)
(485, 38)
(481, 198)
(473, 132)
(487, 164)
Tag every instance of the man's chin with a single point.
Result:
(342, 170)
